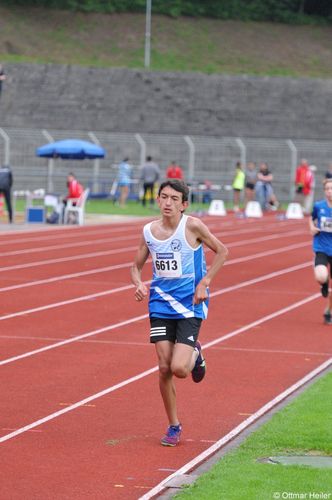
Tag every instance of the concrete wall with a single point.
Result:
(123, 100)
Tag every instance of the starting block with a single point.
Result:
(217, 207)
(253, 209)
(294, 211)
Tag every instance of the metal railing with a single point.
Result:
(202, 158)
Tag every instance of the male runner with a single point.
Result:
(179, 292)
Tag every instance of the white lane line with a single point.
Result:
(239, 349)
(129, 264)
(103, 229)
(253, 281)
(74, 339)
(67, 259)
(237, 430)
(78, 404)
(66, 277)
(134, 248)
(67, 245)
(151, 370)
(91, 296)
(268, 317)
(113, 239)
(144, 344)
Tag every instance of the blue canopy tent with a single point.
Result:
(70, 149)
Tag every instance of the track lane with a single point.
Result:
(84, 467)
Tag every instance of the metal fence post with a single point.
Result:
(243, 151)
(293, 150)
(191, 162)
(50, 167)
(142, 145)
(6, 139)
(96, 165)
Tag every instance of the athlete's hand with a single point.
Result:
(201, 293)
(141, 292)
(315, 230)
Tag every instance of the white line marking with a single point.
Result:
(128, 249)
(73, 339)
(127, 287)
(237, 430)
(78, 404)
(67, 259)
(70, 232)
(148, 372)
(129, 264)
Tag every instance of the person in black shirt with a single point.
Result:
(6, 182)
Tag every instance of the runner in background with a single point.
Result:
(320, 225)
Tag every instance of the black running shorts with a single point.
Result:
(321, 259)
(183, 331)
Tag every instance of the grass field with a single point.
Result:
(183, 44)
(304, 427)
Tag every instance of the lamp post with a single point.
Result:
(147, 34)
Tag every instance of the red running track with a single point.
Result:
(81, 415)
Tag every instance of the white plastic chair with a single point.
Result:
(75, 207)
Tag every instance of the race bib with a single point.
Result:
(326, 224)
(167, 264)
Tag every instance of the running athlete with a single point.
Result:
(320, 225)
(179, 292)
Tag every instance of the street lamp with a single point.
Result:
(147, 34)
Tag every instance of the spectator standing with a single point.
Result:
(263, 188)
(174, 171)
(124, 180)
(6, 182)
(238, 186)
(2, 77)
(150, 175)
(328, 173)
(250, 181)
(320, 225)
(303, 183)
(309, 199)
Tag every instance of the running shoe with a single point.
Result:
(172, 436)
(325, 289)
(198, 372)
(327, 318)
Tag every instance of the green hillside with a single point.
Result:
(181, 44)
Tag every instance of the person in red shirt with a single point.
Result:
(75, 189)
(304, 180)
(174, 171)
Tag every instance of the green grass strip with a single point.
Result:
(302, 427)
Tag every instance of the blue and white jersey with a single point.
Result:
(177, 269)
(322, 241)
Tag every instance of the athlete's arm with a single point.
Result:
(136, 270)
(313, 226)
(204, 235)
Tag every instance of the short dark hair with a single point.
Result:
(177, 185)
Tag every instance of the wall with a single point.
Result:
(123, 100)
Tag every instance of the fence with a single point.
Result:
(202, 158)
